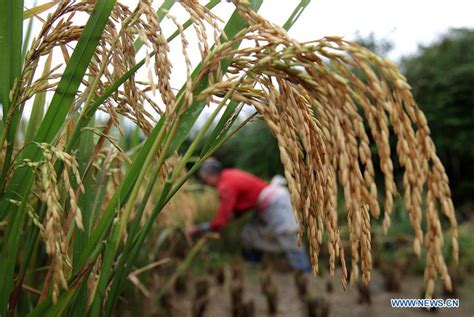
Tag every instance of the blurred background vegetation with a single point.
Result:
(442, 78)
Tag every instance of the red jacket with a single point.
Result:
(238, 192)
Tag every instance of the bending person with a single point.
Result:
(273, 227)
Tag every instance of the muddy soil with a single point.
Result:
(342, 303)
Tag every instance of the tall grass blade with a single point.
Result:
(11, 32)
(22, 180)
(9, 255)
(63, 97)
(11, 36)
(26, 40)
(11, 28)
(37, 109)
(296, 14)
(31, 12)
(86, 204)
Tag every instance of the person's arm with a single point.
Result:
(227, 200)
(224, 212)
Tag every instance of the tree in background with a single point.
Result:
(378, 45)
(254, 149)
(442, 80)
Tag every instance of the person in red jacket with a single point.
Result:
(273, 227)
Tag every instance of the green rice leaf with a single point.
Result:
(38, 107)
(11, 36)
(31, 12)
(63, 97)
(11, 28)
(54, 119)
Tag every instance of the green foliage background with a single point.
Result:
(442, 78)
(253, 149)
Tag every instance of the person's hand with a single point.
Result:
(196, 230)
(193, 231)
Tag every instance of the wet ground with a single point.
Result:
(342, 303)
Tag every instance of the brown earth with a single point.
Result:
(342, 303)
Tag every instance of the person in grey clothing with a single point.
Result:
(273, 227)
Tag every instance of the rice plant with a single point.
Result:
(76, 209)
